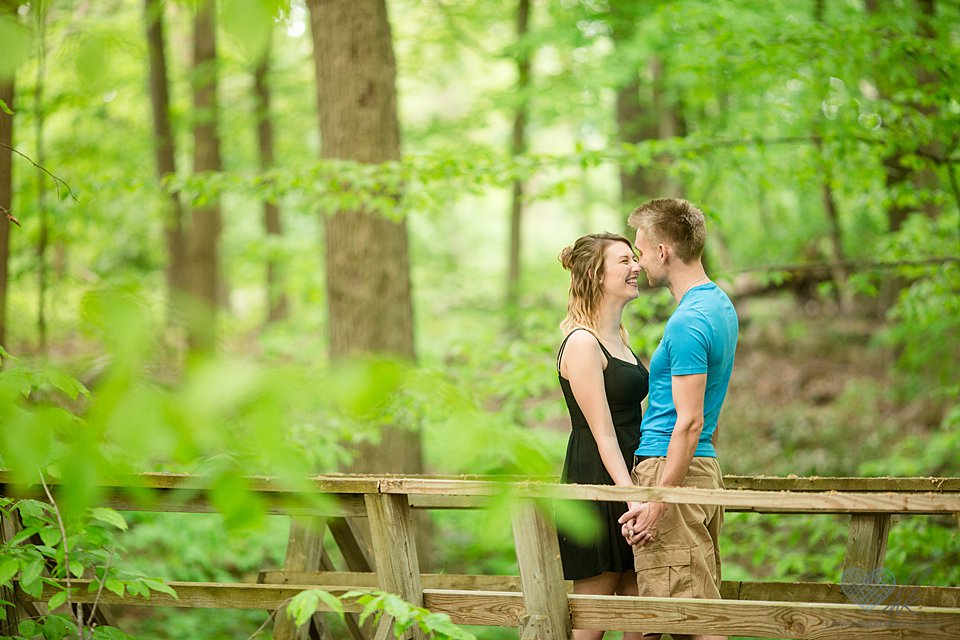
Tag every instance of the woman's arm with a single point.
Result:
(582, 364)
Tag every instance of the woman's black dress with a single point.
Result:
(626, 387)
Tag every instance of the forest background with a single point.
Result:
(241, 237)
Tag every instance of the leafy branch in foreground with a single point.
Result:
(378, 604)
(67, 550)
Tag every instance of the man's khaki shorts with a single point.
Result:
(684, 560)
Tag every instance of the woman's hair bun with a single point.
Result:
(566, 258)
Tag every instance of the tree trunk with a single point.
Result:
(518, 148)
(369, 302)
(895, 172)
(367, 261)
(643, 112)
(633, 127)
(43, 235)
(6, 187)
(176, 273)
(276, 297)
(837, 257)
(205, 220)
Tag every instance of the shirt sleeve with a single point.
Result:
(689, 344)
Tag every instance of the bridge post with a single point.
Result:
(304, 551)
(547, 614)
(395, 549)
(867, 542)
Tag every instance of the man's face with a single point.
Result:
(649, 255)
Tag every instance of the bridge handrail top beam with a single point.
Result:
(369, 483)
(345, 485)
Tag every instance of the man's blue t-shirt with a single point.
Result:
(700, 337)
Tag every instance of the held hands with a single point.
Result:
(640, 522)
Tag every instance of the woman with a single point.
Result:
(603, 383)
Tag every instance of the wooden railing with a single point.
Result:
(538, 602)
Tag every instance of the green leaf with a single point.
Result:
(66, 383)
(371, 606)
(109, 633)
(115, 586)
(32, 588)
(302, 606)
(57, 627)
(331, 601)
(76, 568)
(440, 623)
(33, 508)
(50, 536)
(32, 570)
(162, 587)
(28, 628)
(110, 517)
(305, 604)
(8, 569)
(57, 599)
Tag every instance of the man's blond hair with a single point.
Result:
(673, 222)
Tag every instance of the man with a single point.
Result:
(676, 552)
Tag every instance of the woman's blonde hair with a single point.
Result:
(584, 261)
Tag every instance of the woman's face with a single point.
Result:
(620, 271)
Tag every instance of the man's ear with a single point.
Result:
(664, 252)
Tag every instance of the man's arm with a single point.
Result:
(688, 396)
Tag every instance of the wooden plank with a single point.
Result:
(892, 495)
(216, 595)
(304, 547)
(814, 483)
(351, 579)
(192, 501)
(355, 559)
(395, 549)
(916, 596)
(546, 616)
(720, 617)
(922, 596)
(352, 544)
(352, 620)
(334, 484)
(385, 628)
(777, 502)
(757, 619)
(442, 501)
(760, 619)
(205, 595)
(365, 484)
(866, 547)
(487, 608)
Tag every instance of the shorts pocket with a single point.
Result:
(664, 572)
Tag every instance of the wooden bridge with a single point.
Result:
(538, 602)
